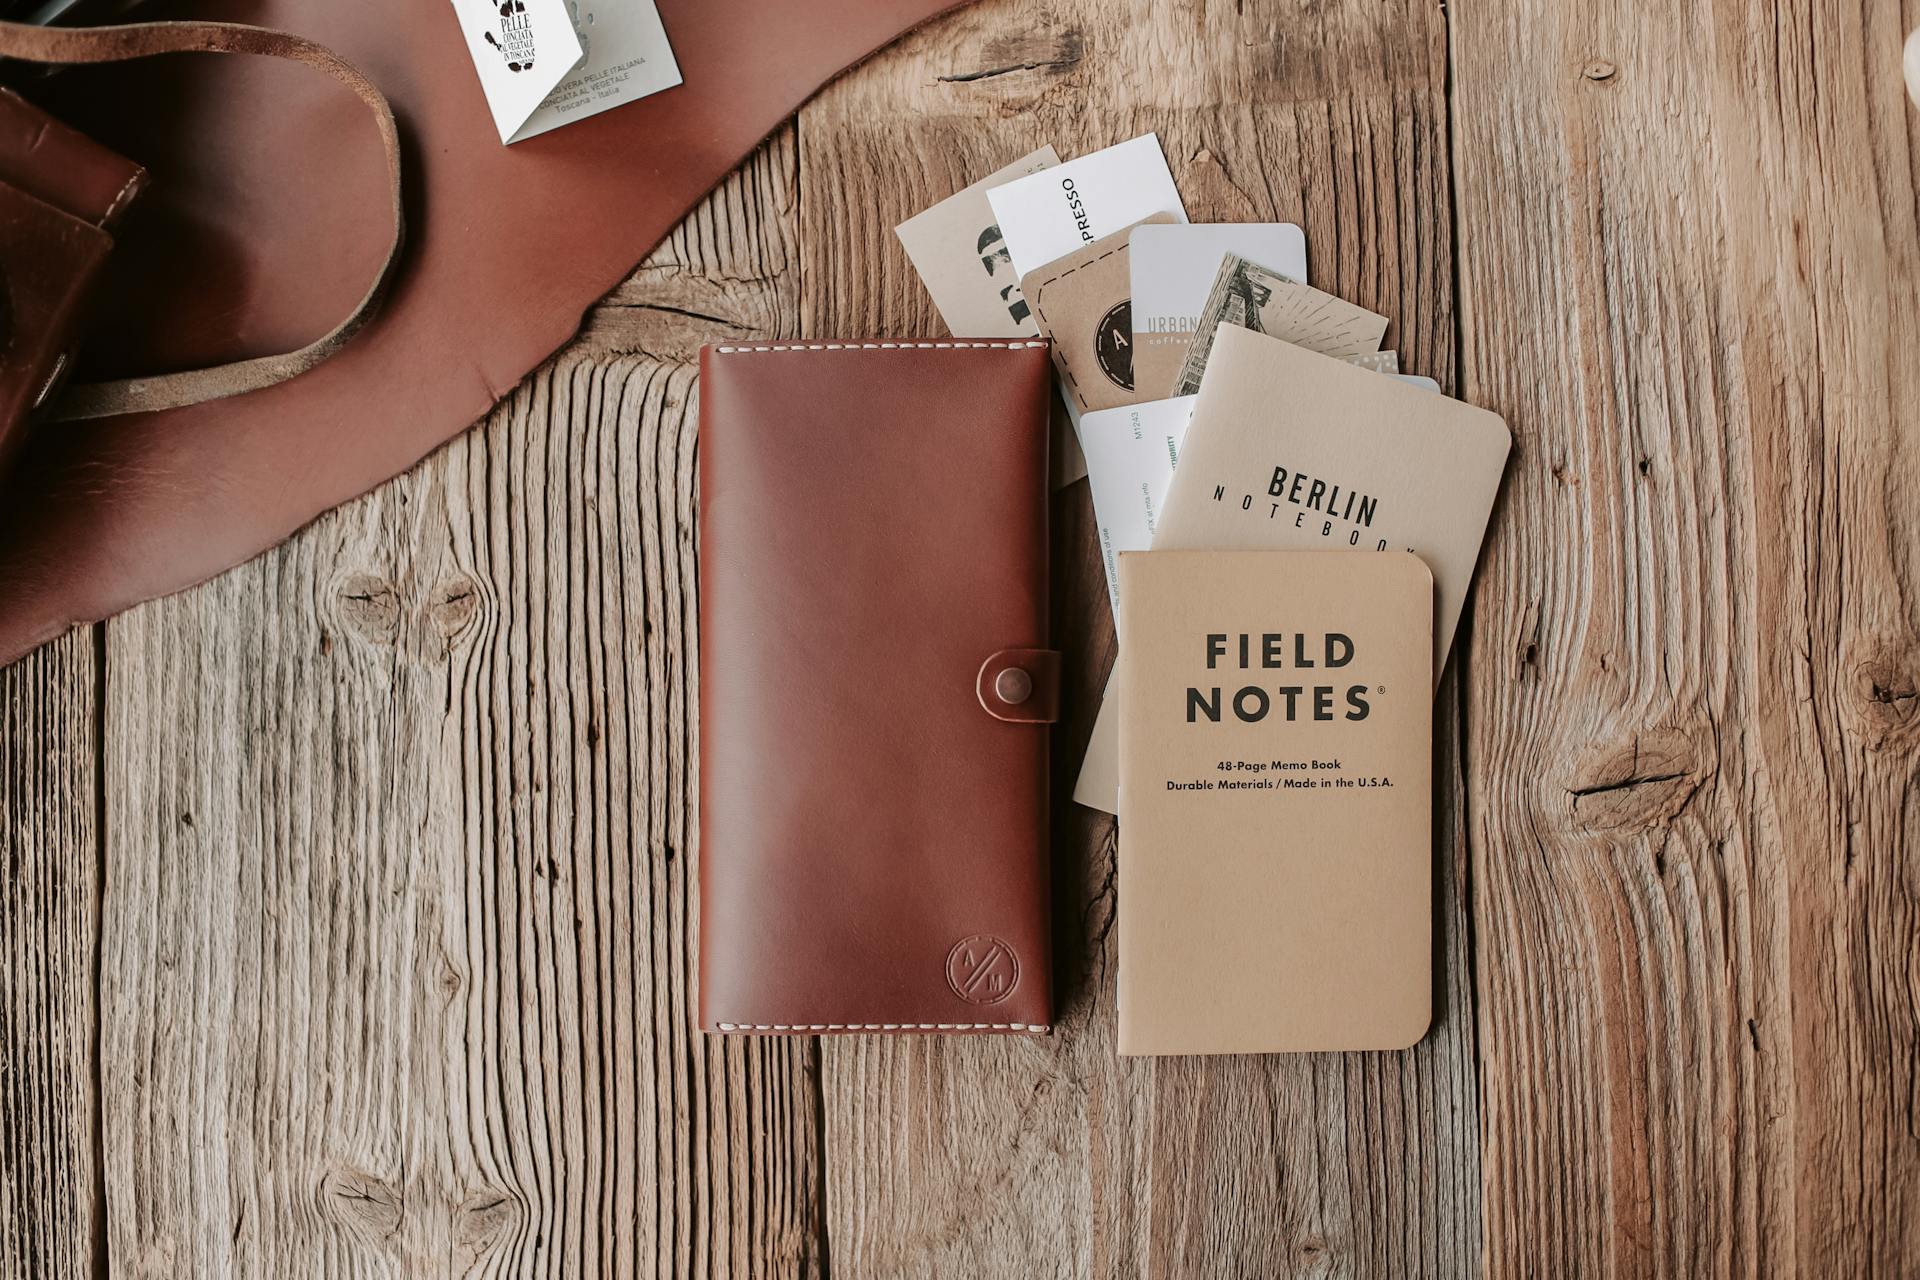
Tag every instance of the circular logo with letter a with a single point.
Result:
(982, 969)
(1113, 345)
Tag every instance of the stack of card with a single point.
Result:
(1097, 255)
(1266, 738)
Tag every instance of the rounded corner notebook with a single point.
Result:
(1276, 801)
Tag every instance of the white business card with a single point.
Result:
(1131, 453)
(545, 63)
(1049, 214)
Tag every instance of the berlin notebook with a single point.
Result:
(876, 687)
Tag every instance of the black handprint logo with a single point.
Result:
(515, 42)
(994, 254)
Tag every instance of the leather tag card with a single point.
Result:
(1276, 846)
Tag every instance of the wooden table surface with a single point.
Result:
(347, 902)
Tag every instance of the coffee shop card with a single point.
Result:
(1051, 214)
(1081, 302)
(1276, 829)
(961, 257)
(1173, 272)
(545, 63)
(1291, 450)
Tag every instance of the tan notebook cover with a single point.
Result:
(1276, 851)
(1289, 450)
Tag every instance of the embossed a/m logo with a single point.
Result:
(982, 969)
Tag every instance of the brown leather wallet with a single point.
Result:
(875, 687)
(61, 195)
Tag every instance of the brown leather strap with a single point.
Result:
(76, 45)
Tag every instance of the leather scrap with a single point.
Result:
(264, 223)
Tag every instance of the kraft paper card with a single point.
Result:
(1291, 450)
(1276, 826)
(1083, 303)
(962, 258)
(1173, 272)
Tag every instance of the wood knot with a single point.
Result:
(482, 1222)
(449, 978)
(1052, 53)
(1598, 70)
(365, 1204)
(1885, 700)
(369, 606)
(453, 606)
(1639, 784)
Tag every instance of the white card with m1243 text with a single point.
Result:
(1131, 453)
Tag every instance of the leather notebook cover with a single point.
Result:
(875, 687)
(1276, 806)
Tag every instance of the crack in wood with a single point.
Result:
(1888, 696)
(664, 309)
(1602, 788)
(988, 73)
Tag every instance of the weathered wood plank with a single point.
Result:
(49, 906)
(397, 932)
(986, 1157)
(1691, 280)
(398, 944)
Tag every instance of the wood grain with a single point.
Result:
(384, 842)
(1055, 1158)
(397, 953)
(1690, 279)
(50, 1198)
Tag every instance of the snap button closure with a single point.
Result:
(1013, 686)
(1020, 686)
